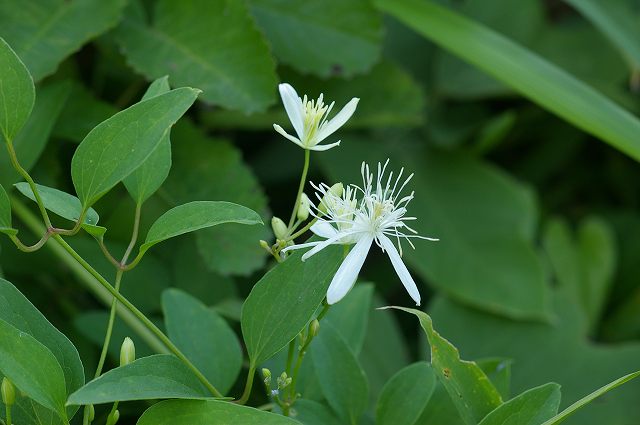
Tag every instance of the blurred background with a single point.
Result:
(538, 262)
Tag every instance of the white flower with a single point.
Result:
(378, 216)
(309, 119)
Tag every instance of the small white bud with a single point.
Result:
(303, 207)
(8, 392)
(336, 190)
(314, 328)
(127, 352)
(279, 228)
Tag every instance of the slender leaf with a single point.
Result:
(148, 178)
(32, 368)
(204, 337)
(560, 417)
(148, 378)
(281, 304)
(468, 386)
(529, 408)
(341, 378)
(526, 72)
(196, 412)
(17, 93)
(119, 145)
(195, 216)
(59, 202)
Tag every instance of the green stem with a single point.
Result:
(303, 230)
(248, 386)
(8, 413)
(303, 181)
(112, 319)
(32, 184)
(292, 350)
(30, 248)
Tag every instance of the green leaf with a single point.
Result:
(148, 178)
(311, 412)
(59, 202)
(5, 214)
(32, 139)
(231, 64)
(617, 21)
(498, 370)
(351, 316)
(281, 304)
(195, 216)
(32, 368)
(588, 399)
(119, 145)
(148, 378)
(405, 396)
(197, 162)
(17, 93)
(17, 311)
(197, 412)
(204, 337)
(532, 407)
(524, 71)
(468, 386)
(44, 33)
(341, 378)
(299, 31)
(465, 202)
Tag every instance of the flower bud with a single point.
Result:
(113, 417)
(314, 328)
(127, 352)
(266, 373)
(279, 228)
(283, 381)
(8, 392)
(335, 190)
(265, 245)
(92, 413)
(303, 207)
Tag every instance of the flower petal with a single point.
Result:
(300, 246)
(335, 239)
(401, 269)
(293, 106)
(347, 274)
(338, 121)
(321, 148)
(324, 229)
(295, 140)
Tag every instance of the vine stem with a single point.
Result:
(158, 339)
(303, 180)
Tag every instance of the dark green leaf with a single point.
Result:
(44, 33)
(532, 407)
(148, 178)
(468, 386)
(204, 337)
(351, 316)
(148, 378)
(17, 93)
(59, 202)
(231, 64)
(119, 145)
(281, 304)
(341, 378)
(197, 412)
(5, 213)
(311, 412)
(405, 396)
(300, 30)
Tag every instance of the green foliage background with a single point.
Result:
(538, 220)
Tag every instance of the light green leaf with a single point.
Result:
(148, 178)
(529, 408)
(521, 69)
(44, 33)
(588, 399)
(148, 378)
(468, 386)
(18, 311)
(17, 93)
(281, 304)
(5, 213)
(32, 368)
(351, 316)
(195, 216)
(341, 378)
(405, 396)
(204, 337)
(231, 64)
(119, 145)
(59, 202)
(617, 21)
(498, 370)
(201, 412)
(300, 31)
(32, 139)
